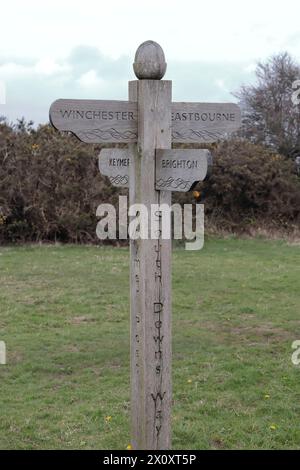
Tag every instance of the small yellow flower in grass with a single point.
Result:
(189, 381)
(267, 396)
(273, 427)
(129, 447)
(107, 419)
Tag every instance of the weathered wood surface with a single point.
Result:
(115, 163)
(176, 169)
(96, 121)
(180, 170)
(150, 277)
(149, 61)
(149, 123)
(204, 122)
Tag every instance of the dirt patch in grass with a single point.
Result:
(264, 331)
(14, 357)
(81, 319)
(217, 443)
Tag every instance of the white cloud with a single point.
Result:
(250, 67)
(33, 85)
(44, 66)
(75, 49)
(13, 69)
(221, 84)
(48, 66)
(191, 30)
(2, 92)
(90, 80)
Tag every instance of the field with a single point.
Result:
(64, 315)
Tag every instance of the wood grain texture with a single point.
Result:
(96, 121)
(149, 61)
(115, 163)
(204, 122)
(176, 170)
(179, 170)
(151, 388)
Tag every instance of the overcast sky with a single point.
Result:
(85, 49)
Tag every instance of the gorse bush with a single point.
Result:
(50, 187)
(251, 185)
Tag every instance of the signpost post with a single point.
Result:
(149, 122)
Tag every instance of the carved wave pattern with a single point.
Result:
(119, 180)
(172, 183)
(187, 134)
(107, 135)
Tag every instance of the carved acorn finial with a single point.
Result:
(149, 61)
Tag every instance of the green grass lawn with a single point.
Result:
(64, 315)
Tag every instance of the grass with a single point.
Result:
(65, 320)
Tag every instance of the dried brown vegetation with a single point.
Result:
(50, 187)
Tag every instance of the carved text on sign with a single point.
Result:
(180, 170)
(96, 121)
(114, 163)
(176, 170)
(204, 122)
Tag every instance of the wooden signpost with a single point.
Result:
(176, 170)
(180, 170)
(149, 122)
(95, 121)
(115, 163)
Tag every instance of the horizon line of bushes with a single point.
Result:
(50, 187)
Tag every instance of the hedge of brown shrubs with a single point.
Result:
(50, 187)
(251, 186)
